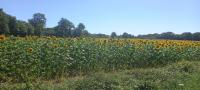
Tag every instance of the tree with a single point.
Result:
(113, 35)
(187, 36)
(79, 30)
(12, 25)
(38, 22)
(21, 28)
(49, 32)
(85, 33)
(126, 35)
(167, 35)
(64, 28)
(30, 29)
(196, 36)
(4, 29)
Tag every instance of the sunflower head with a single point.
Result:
(30, 50)
(2, 37)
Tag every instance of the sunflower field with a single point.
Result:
(30, 58)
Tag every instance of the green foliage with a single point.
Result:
(145, 86)
(4, 29)
(183, 66)
(126, 35)
(96, 82)
(64, 28)
(9, 25)
(79, 30)
(160, 78)
(196, 36)
(113, 35)
(12, 25)
(49, 32)
(23, 29)
(172, 36)
(38, 22)
(85, 33)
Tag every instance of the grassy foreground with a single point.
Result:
(183, 75)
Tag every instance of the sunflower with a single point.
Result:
(2, 37)
(30, 50)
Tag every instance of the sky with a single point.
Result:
(106, 16)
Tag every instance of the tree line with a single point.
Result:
(35, 26)
(172, 36)
(166, 35)
(9, 25)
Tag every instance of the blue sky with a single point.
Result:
(106, 16)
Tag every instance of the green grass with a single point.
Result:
(183, 75)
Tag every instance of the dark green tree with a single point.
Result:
(64, 28)
(49, 32)
(4, 28)
(113, 35)
(85, 33)
(21, 28)
(79, 30)
(187, 36)
(126, 35)
(30, 29)
(167, 35)
(12, 25)
(38, 22)
(196, 36)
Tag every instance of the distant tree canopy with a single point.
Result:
(196, 36)
(113, 35)
(9, 25)
(79, 30)
(172, 36)
(23, 28)
(38, 22)
(4, 20)
(12, 25)
(126, 35)
(64, 28)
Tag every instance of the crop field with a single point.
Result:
(99, 45)
(26, 60)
